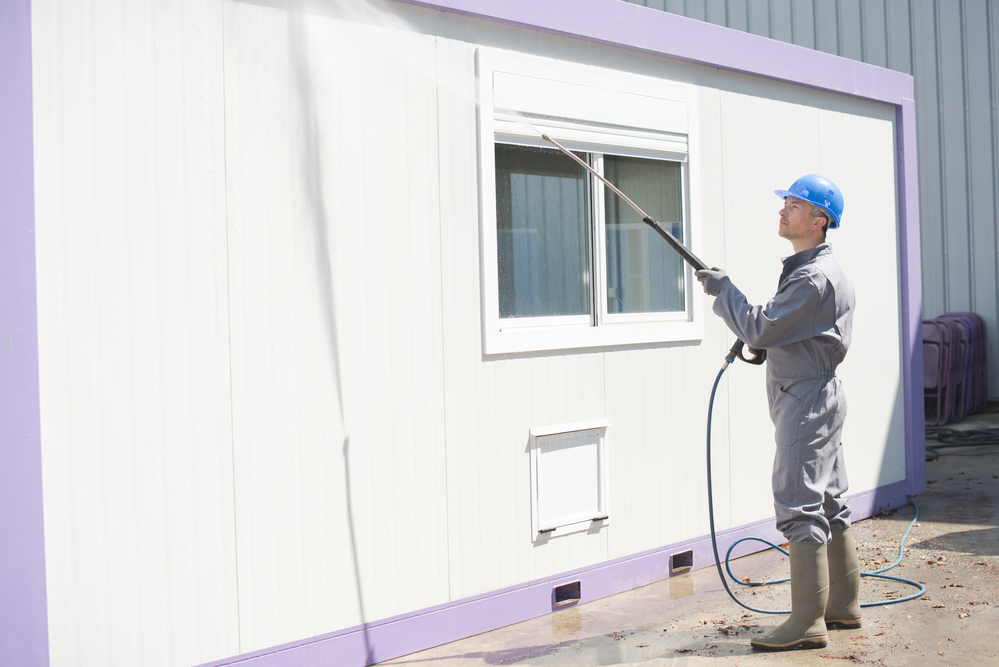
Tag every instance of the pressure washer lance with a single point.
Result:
(758, 358)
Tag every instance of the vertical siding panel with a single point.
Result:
(459, 249)
(928, 111)
(338, 370)
(133, 336)
(897, 29)
(685, 470)
(471, 392)
(827, 34)
(781, 26)
(874, 33)
(803, 23)
(862, 247)
(758, 21)
(737, 120)
(737, 14)
(752, 174)
(993, 351)
(646, 435)
(981, 169)
(716, 11)
(953, 124)
(850, 27)
(696, 9)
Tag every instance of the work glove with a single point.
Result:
(712, 280)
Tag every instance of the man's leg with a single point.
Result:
(806, 627)
(808, 482)
(843, 609)
(798, 482)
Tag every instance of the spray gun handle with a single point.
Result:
(759, 356)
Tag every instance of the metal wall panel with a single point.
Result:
(953, 159)
(897, 36)
(133, 335)
(871, 30)
(931, 210)
(947, 46)
(781, 24)
(981, 167)
(848, 24)
(336, 318)
(737, 16)
(715, 11)
(758, 17)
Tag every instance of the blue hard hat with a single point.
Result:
(817, 190)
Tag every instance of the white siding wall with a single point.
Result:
(335, 306)
(260, 305)
(134, 360)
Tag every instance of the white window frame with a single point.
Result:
(595, 111)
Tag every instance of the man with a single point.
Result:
(805, 329)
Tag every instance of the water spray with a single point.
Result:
(688, 256)
(758, 356)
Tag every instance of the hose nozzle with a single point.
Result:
(759, 356)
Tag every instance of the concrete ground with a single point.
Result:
(689, 620)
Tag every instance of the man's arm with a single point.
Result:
(787, 318)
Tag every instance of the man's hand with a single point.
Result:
(712, 280)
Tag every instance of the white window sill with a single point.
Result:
(520, 339)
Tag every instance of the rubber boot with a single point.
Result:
(843, 608)
(806, 628)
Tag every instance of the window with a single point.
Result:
(566, 262)
(546, 216)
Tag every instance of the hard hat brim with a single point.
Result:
(784, 194)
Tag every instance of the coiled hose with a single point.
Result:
(714, 540)
(951, 437)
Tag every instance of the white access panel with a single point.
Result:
(568, 473)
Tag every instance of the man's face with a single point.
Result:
(796, 219)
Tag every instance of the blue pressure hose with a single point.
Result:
(729, 359)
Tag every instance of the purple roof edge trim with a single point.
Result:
(23, 608)
(630, 26)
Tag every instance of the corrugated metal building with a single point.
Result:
(949, 48)
(275, 375)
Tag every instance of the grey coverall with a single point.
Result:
(805, 329)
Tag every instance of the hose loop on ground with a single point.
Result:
(714, 540)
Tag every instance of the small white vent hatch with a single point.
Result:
(569, 478)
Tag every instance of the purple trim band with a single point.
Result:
(912, 298)
(23, 612)
(630, 26)
(383, 640)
